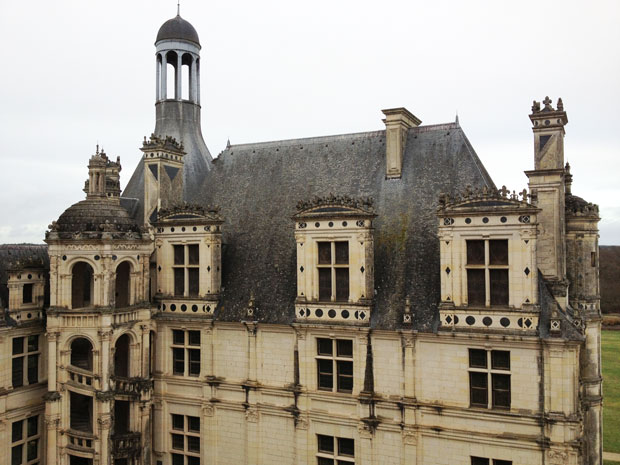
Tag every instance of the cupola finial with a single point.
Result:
(178, 7)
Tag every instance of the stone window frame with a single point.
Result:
(188, 350)
(20, 446)
(494, 372)
(186, 266)
(333, 266)
(488, 267)
(485, 461)
(28, 293)
(338, 362)
(26, 354)
(333, 454)
(186, 455)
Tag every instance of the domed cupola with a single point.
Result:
(177, 29)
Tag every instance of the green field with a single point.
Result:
(610, 353)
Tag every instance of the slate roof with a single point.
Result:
(258, 185)
(177, 28)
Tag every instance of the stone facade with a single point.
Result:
(205, 319)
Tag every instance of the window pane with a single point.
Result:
(194, 257)
(342, 253)
(27, 294)
(324, 346)
(326, 443)
(18, 372)
(500, 360)
(501, 390)
(178, 422)
(499, 287)
(326, 370)
(325, 284)
(179, 254)
(178, 441)
(33, 369)
(476, 292)
(177, 459)
(194, 362)
(194, 281)
(16, 455)
(32, 450)
(18, 345)
(193, 443)
(342, 284)
(324, 461)
(475, 252)
(502, 462)
(194, 338)
(17, 431)
(325, 253)
(33, 343)
(193, 460)
(345, 376)
(478, 389)
(33, 426)
(477, 358)
(179, 281)
(498, 252)
(193, 424)
(345, 348)
(479, 461)
(178, 336)
(178, 361)
(346, 447)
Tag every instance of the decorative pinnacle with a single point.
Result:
(179, 8)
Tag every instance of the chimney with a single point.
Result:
(397, 122)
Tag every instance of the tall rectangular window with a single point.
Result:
(335, 451)
(25, 441)
(186, 270)
(25, 360)
(487, 272)
(489, 378)
(185, 352)
(27, 294)
(486, 461)
(334, 361)
(185, 440)
(333, 271)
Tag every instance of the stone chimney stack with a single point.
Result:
(547, 185)
(397, 123)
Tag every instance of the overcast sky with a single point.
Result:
(75, 73)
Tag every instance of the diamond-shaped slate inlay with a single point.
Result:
(301, 268)
(362, 269)
(448, 270)
(209, 268)
(448, 319)
(526, 271)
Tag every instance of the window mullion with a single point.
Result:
(487, 275)
(489, 377)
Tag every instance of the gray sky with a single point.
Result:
(75, 73)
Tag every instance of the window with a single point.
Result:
(333, 269)
(335, 451)
(186, 270)
(334, 362)
(25, 368)
(185, 348)
(25, 435)
(493, 365)
(27, 294)
(484, 461)
(185, 440)
(487, 272)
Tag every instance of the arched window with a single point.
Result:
(123, 285)
(81, 285)
(82, 354)
(121, 357)
(171, 75)
(186, 62)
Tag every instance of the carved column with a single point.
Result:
(51, 423)
(164, 77)
(410, 372)
(52, 343)
(105, 423)
(105, 359)
(178, 81)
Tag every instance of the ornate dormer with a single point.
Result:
(489, 276)
(163, 174)
(103, 177)
(26, 287)
(335, 264)
(188, 246)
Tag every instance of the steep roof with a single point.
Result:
(258, 185)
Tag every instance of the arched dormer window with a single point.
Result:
(82, 285)
(123, 285)
(335, 279)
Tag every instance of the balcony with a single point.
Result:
(133, 387)
(80, 440)
(80, 376)
(126, 445)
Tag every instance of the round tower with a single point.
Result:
(177, 96)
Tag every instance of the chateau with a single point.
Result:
(368, 298)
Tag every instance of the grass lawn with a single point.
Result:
(610, 353)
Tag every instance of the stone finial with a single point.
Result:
(251, 304)
(407, 315)
(560, 105)
(535, 107)
(547, 101)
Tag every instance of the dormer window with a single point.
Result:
(333, 269)
(487, 272)
(186, 270)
